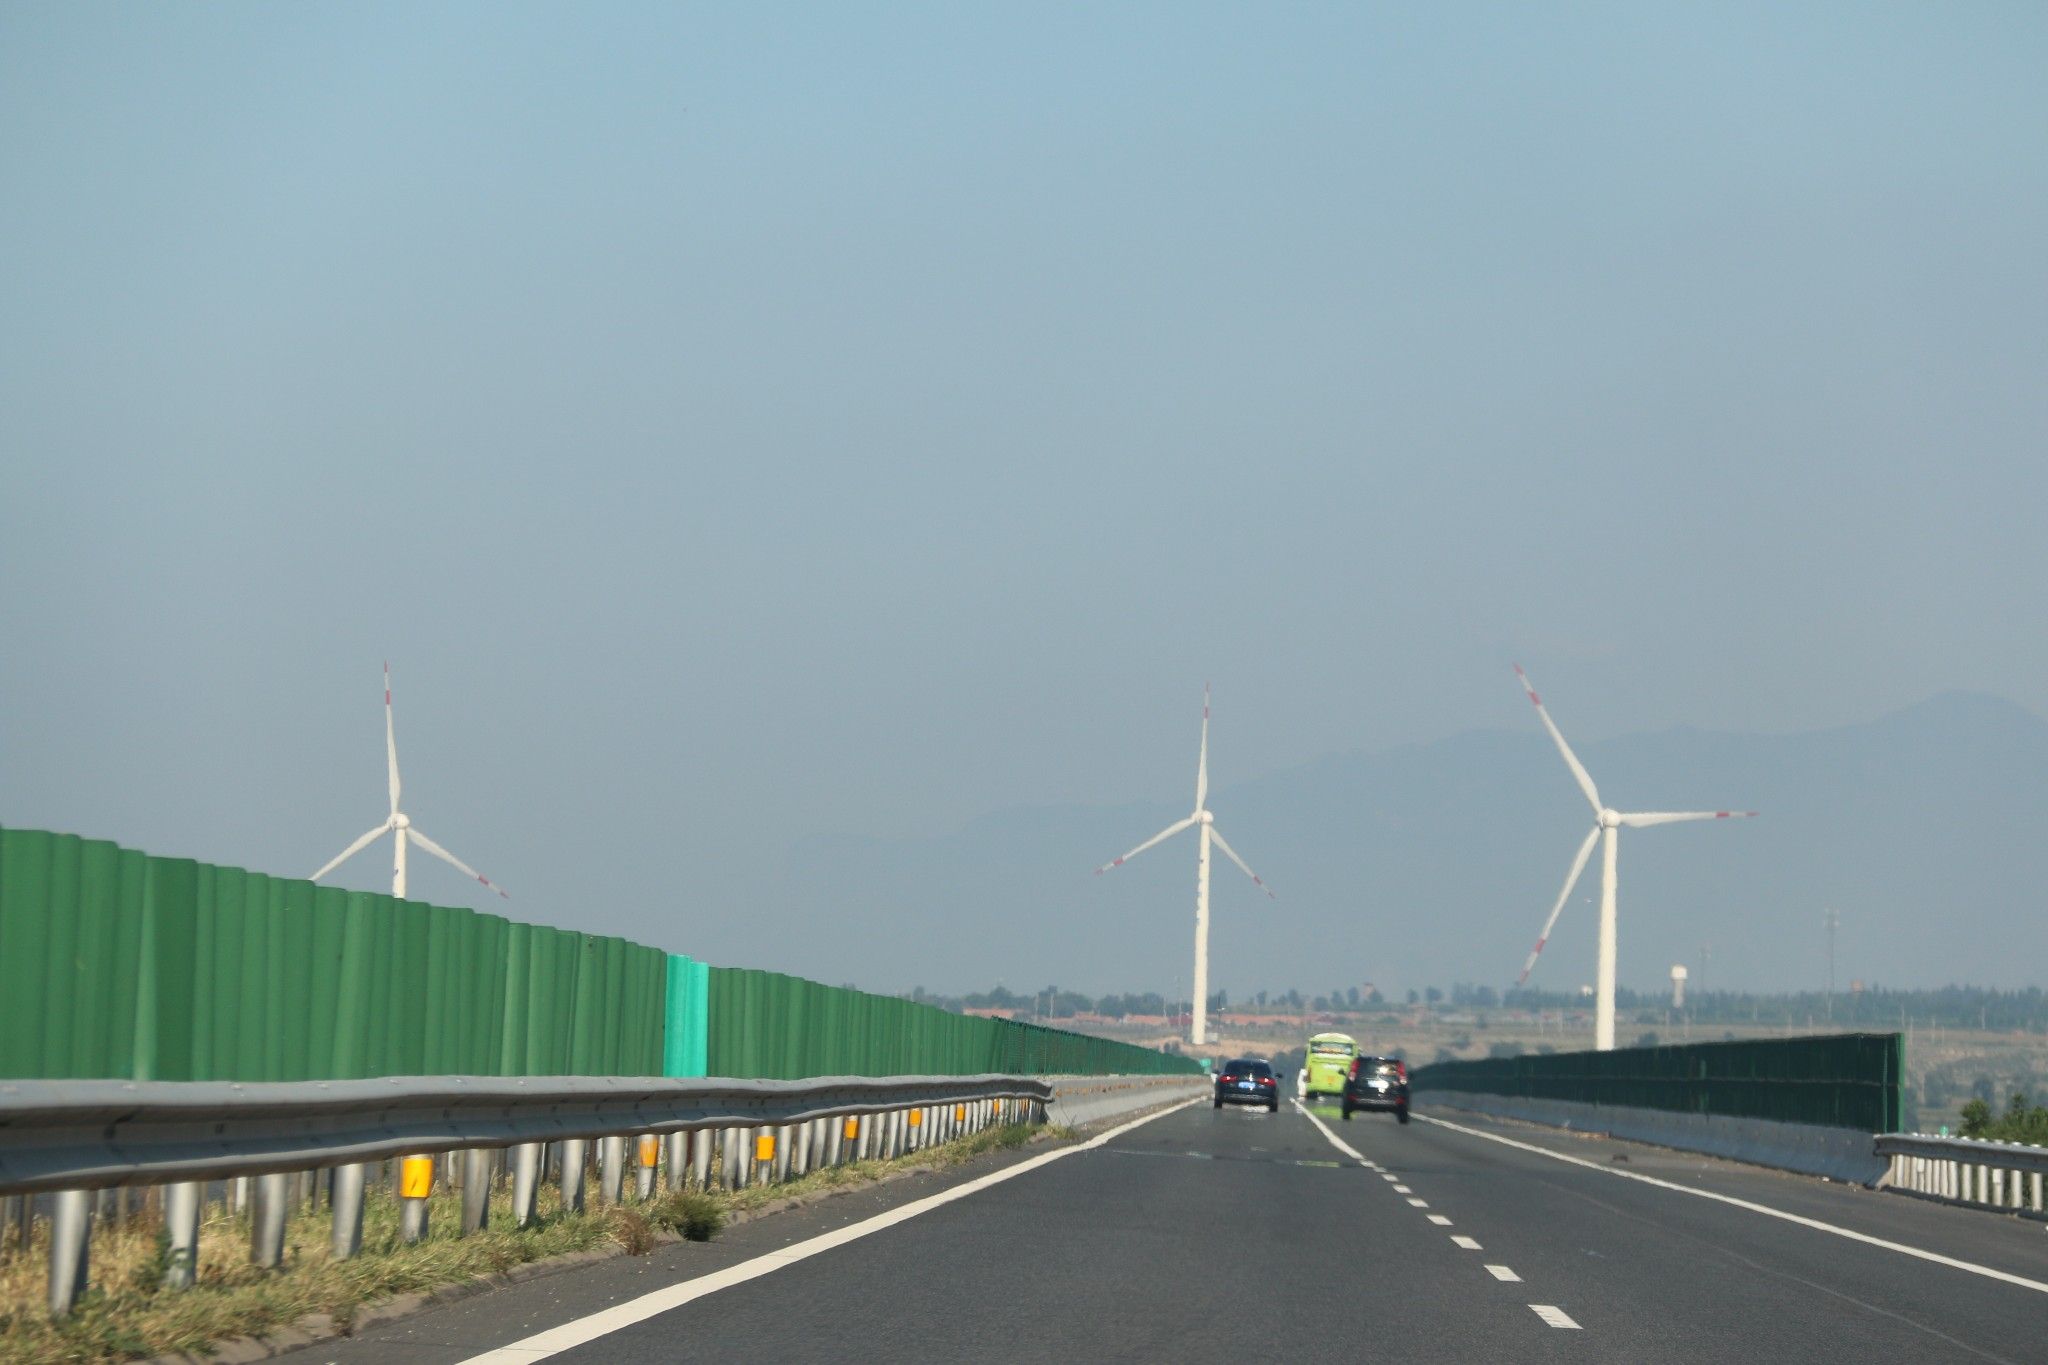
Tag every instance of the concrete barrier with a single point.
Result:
(1845, 1154)
(1080, 1100)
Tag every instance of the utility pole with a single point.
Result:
(1833, 922)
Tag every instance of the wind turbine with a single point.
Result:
(399, 825)
(1198, 1034)
(1606, 826)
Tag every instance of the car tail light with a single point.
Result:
(1401, 1070)
(1353, 1073)
(1265, 1080)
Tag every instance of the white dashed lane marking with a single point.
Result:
(1551, 1314)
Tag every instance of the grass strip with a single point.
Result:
(128, 1315)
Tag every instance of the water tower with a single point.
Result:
(1678, 975)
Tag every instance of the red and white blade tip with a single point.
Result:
(1528, 686)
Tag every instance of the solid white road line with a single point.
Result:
(569, 1335)
(1466, 1242)
(1439, 1220)
(1553, 1315)
(1766, 1210)
(1502, 1273)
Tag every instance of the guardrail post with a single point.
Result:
(648, 1149)
(415, 1183)
(346, 1239)
(783, 1136)
(70, 1248)
(675, 1157)
(700, 1156)
(526, 1163)
(181, 1233)
(800, 1149)
(611, 1167)
(269, 1202)
(575, 1154)
(476, 1189)
(836, 1133)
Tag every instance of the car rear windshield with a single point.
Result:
(1249, 1068)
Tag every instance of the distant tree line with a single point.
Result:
(1873, 1009)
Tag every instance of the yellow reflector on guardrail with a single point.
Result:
(764, 1147)
(416, 1177)
(852, 1129)
(650, 1151)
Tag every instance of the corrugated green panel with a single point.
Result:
(766, 1025)
(253, 1022)
(166, 1025)
(132, 872)
(92, 977)
(1844, 1081)
(295, 941)
(60, 967)
(116, 964)
(24, 949)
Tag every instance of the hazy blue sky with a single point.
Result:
(741, 424)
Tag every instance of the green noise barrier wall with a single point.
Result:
(1852, 1080)
(114, 964)
(768, 1025)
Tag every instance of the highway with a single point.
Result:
(1229, 1235)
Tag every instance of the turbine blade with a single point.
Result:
(1166, 833)
(390, 738)
(1216, 835)
(1571, 880)
(357, 847)
(1202, 764)
(445, 856)
(1645, 819)
(1571, 760)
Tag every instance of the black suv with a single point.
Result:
(1248, 1081)
(1377, 1083)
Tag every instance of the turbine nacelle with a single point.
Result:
(401, 821)
(1610, 819)
(1203, 817)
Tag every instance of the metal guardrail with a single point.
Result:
(1997, 1175)
(64, 1140)
(63, 1135)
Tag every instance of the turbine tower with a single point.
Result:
(1198, 1034)
(399, 825)
(1606, 826)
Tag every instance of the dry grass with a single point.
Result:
(128, 1315)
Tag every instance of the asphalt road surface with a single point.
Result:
(1230, 1235)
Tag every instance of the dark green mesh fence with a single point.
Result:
(1851, 1080)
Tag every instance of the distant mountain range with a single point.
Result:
(1434, 863)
